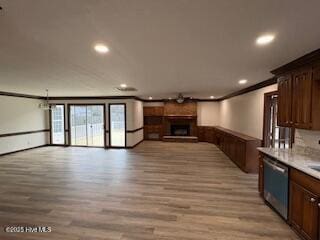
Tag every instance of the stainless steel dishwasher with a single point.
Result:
(276, 184)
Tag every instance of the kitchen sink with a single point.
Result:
(315, 167)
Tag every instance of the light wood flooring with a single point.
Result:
(158, 191)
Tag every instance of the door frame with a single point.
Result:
(266, 118)
(125, 125)
(104, 123)
(64, 124)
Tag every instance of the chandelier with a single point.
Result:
(46, 105)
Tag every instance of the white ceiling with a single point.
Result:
(160, 47)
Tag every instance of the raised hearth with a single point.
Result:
(180, 139)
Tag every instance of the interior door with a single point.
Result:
(117, 125)
(87, 125)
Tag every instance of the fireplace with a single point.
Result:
(180, 130)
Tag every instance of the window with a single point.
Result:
(57, 125)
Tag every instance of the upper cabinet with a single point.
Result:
(299, 93)
(285, 100)
(302, 98)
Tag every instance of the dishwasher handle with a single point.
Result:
(274, 166)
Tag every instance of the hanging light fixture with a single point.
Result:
(46, 105)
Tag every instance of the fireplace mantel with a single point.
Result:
(181, 116)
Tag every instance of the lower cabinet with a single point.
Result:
(241, 149)
(304, 202)
(304, 205)
(261, 175)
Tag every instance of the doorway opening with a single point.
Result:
(275, 136)
(117, 125)
(87, 125)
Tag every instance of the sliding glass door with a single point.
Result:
(57, 125)
(117, 125)
(87, 125)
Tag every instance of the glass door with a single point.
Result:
(117, 125)
(95, 125)
(57, 125)
(87, 125)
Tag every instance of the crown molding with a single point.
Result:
(308, 58)
(257, 86)
(21, 95)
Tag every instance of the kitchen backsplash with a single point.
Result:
(307, 139)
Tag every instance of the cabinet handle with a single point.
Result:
(312, 200)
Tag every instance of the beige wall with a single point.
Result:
(22, 115)
(208, 113)
(244, 113)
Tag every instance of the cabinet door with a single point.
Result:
(285, 101)
(296, 206)
(201, 134)
(304, 211)
(302, 98)
(310, 216)
(316, 97)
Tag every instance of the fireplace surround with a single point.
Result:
(180, 126)
(180, 130)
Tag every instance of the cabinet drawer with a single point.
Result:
(306, 181)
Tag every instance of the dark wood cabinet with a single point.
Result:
(201, 134)
(302, 98)
(261, 175)
(241, 149)
(304, 202)
(285, 100)
(296, 205)
(153, 123)
(299, 97)
(304, 205)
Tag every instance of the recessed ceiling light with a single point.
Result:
(101, 48)
(123, 85)
(170, 98)
(212, 97)
(243, 81)
(265, 39)
(150, 98)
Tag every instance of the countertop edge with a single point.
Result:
(298, 166)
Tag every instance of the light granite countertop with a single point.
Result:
(294, 159)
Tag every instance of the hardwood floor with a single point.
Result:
(159, 190)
